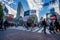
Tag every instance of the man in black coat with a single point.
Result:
(44, 25)
(6, 24)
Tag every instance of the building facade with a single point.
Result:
(35, 5)
(55, 4)
(20, 10)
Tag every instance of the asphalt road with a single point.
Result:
(13, 34)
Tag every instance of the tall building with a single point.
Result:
(9, 10)
(35, 5)
(20, 10)
(55, 4)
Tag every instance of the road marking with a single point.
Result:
(35, 29)
(47, 31)
(40, 30)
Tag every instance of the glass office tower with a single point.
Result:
(20, 10)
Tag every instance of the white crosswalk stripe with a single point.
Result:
(40, 31)
(35, 29)
(47, 31)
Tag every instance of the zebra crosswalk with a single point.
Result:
(35, 29)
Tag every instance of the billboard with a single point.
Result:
(6, 10)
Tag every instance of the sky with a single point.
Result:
(44, 9)
(26, 7)
(15, 3)
(24, 3)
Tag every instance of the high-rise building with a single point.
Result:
(20, 10)
(55, 4)
(35, 5)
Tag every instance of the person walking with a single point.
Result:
(6, 24)
(51, 27)
(28, 24)
(56, 23)
(44, 25)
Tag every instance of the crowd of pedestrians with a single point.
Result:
(54, 25)
(5, 24)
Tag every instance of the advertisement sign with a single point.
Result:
(10, 16)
